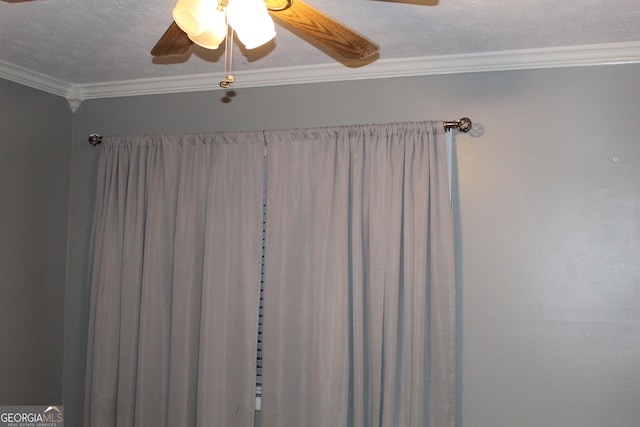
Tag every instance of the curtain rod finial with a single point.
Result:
(95, 139)
(462, 125)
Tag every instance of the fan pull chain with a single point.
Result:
(228, 60)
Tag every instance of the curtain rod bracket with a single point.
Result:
(462, 125)
(95, 139)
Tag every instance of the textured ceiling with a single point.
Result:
(90, 41)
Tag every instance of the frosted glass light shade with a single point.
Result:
(191, 15)
(251, 22)
(215, 30)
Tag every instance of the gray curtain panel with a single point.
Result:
(173, 311)
(359, 302)
(358, 280)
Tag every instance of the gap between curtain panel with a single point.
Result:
(354, 251)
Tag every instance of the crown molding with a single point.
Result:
(33, 79)
(572, 56)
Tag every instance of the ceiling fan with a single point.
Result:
(335, 36)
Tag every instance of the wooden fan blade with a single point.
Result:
(173, 42)
(336, 36)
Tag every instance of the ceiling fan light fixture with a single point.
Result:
(192, 16)
(210, 39)
(251, 21)
(214, 33)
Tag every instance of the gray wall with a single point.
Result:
(35, 151)
(546, 197)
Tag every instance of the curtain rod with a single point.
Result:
(462, 125)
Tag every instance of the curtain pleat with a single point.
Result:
(359, 281)
(175, 282)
